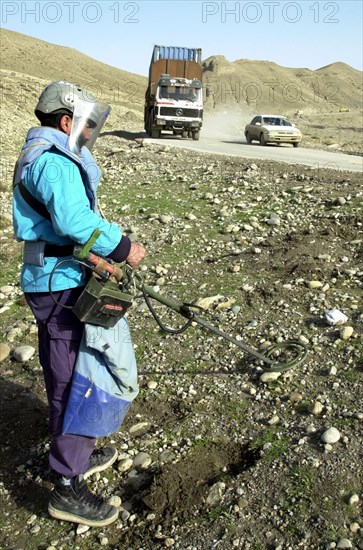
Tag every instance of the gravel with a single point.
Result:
(215, 453)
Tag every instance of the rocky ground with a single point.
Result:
(215, 453)
(331, 130)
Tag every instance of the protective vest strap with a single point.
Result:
(38, 206)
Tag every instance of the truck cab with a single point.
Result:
(174, 100)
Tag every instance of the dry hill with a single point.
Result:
(28, 64)
(214, 453)
(263, 85)
(29, 56)
(326, 103)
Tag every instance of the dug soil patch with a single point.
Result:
(182, 487)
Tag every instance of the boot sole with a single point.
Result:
(66, 516)
(104, 466)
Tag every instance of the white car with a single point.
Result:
(272, 129)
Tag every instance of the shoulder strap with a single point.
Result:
(38, 206)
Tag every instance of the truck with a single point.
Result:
(174, 96)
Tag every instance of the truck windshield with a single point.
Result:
(179, 93)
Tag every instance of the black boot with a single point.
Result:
(71, 500)
(100, 460)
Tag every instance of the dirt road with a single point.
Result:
(315, 158)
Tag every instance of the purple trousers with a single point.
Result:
(59, 338)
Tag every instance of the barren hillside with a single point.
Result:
(263, 85)
(29, 56)
(326, 104)
(216, 452)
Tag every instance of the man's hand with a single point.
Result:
(136, 255)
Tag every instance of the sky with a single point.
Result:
(300, 34)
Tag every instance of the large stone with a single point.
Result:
(4, 351)
(140, 428)
(344, 543)
(315, 284)
(346, 333)
(124, 465)
(23, 353)
(215, 494)
(209, 301)
(331, 435)
(142, 461)
(269, 376)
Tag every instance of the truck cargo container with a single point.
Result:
(174, 97)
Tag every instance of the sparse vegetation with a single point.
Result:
(236, 462)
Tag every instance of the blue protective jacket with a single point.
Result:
(66, 184)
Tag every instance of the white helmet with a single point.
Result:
(85, 110)
(60, 97)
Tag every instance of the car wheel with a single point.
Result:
(248, 138)
(296, 144)
(262, 139)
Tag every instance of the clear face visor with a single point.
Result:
(88, 120)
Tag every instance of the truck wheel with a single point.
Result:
(262, 139)
(196, 136)
(184, 134)
(155, 133)
(150, 125)
(248, 138)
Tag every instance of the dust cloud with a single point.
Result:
(226, 124)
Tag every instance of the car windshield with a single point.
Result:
(276, 121)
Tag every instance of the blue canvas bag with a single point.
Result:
(104, 382)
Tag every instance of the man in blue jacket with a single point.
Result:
(54, 207)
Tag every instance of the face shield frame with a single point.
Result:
(89, 117)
